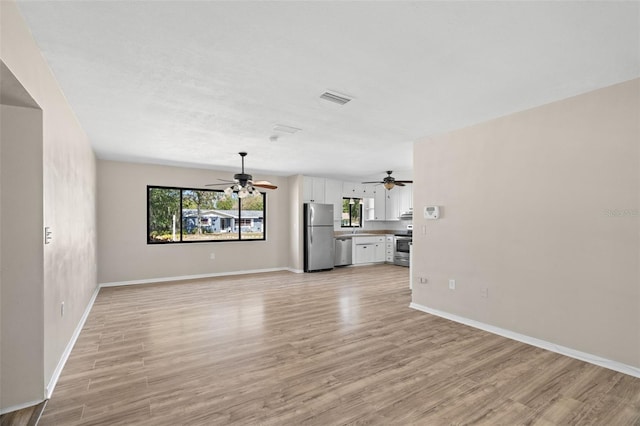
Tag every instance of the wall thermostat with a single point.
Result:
(431, 212)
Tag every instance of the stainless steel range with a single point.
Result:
(401, 245)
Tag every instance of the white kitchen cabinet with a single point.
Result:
(379, 252)
(405, 194)
(365, 191)
(386, 205)
(364, 253)
(369, 249)
(333, 195)
(392, 206)
(356, 190)
(313, 190)
(369, 209)
(379, 202)
(388, 255)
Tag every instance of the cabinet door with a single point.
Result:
(380, 198)
(318, 190)
(379, 252)
(406, 198)
(361, 251)
(313, 190)
(307, 190)
(333, 195)
(366, 191)
(391, 205)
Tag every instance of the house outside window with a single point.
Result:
(189, 215)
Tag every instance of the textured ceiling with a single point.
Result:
(193, 83)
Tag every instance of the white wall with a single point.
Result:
(69, 192)
(123, 252)
(296, 253)
(21, 254)
(542, 209)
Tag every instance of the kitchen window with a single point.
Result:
(351, 213)
(190, 215)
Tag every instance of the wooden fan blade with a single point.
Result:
(219, 184)
(399, 183)
(372, 182)
(404, 181)
(264, 184)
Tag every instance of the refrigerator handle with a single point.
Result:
(311, 233)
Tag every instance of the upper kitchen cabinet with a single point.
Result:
(405, 197)
(333, 195)
(313, 190)
(356, 190)
(379, 202)
(392, 204)
(325, 191)
(389, 204)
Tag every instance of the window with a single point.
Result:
(187, 215)
(351, 213)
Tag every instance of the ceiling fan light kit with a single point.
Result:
(244, 184)
(389, 182)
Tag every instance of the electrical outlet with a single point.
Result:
(62, 309)
(452, 284)
(484, 292)
(423, 280)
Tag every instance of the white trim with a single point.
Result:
(67, 351)
(21, 406)
(295, 271)
(563, 350)
(189, 277)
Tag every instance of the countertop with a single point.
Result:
(358, 235)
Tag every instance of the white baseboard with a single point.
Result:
(191, 277)
(67, 351)
(295, 271)
(20, 406)
(562, 350)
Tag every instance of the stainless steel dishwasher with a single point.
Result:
(343, 251)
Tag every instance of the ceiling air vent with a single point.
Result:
(335, 98)
(285, 129)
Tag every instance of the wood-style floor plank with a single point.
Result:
(338, 347)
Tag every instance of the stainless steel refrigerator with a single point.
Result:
(319, 248)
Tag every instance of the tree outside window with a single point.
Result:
(351, 213)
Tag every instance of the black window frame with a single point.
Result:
(180, 221)
(356, 203)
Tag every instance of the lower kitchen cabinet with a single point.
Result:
(389, 249)
(365, 253)
(369, 249)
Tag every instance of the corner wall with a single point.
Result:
(21, 254)
(123, 252)
(541, 208)
(69, 176)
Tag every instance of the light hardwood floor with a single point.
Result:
(26, 417)
(339, 347)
